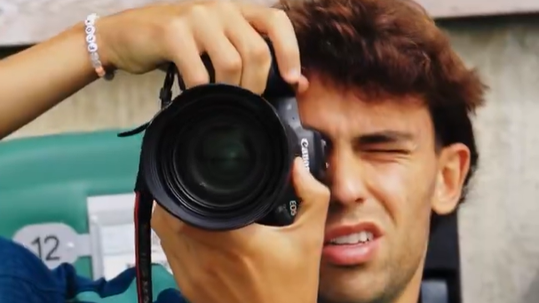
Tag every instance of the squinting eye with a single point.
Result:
(388, 151)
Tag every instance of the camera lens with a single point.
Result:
(224, 157)
(218, 157)
(225, 161)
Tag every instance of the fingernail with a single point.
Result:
(303, 84)
(293, 75)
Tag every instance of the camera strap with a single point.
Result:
(165, 96)
(143, 249)
(144, 202)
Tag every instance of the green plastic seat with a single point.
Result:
(45, 185)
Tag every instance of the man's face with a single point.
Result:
(384, 174)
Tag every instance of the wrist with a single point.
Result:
(104, 44)
(73, 39)
(96, 47)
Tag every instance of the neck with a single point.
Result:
(411, 292)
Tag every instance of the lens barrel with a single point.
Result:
(218, 157)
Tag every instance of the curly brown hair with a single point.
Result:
(390, 47)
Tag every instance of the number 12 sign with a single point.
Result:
(54, 243)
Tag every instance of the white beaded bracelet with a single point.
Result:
(92, 47)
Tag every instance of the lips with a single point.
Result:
(349, 245)
(344, 230)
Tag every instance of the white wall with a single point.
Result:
(30, 21)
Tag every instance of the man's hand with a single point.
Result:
(139, 40)
(255, 264)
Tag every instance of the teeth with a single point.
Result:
(361, 237)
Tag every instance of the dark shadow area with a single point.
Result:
(441, 279)
(8, 51)
(488, 21)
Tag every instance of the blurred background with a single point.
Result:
(65, 179)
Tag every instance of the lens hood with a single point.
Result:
(170, 149)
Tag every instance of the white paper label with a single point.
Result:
(119, 249)
(113, 232)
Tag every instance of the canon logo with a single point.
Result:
(305, 152)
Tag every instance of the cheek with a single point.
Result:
(404, 189)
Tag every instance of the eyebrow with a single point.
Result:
(381, 137)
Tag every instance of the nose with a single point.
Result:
(346, 178)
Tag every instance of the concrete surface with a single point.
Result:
(499, 226)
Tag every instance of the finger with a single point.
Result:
(183, 51)
(276, 24)
(224, 57)
(240, 237)
(314, 196)
(254, 52)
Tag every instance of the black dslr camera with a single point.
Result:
(219, 157)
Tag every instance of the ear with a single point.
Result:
(454, 164)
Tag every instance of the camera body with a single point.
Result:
(309, 145)
(220, 157)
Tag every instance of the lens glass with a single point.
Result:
(224, 157)
(225, 161)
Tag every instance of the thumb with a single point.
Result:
(314, 196)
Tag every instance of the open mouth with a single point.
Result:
(349, 245)
(362, 233)
(362, 237)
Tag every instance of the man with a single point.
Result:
(377, 78)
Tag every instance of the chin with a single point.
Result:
(350, 284)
